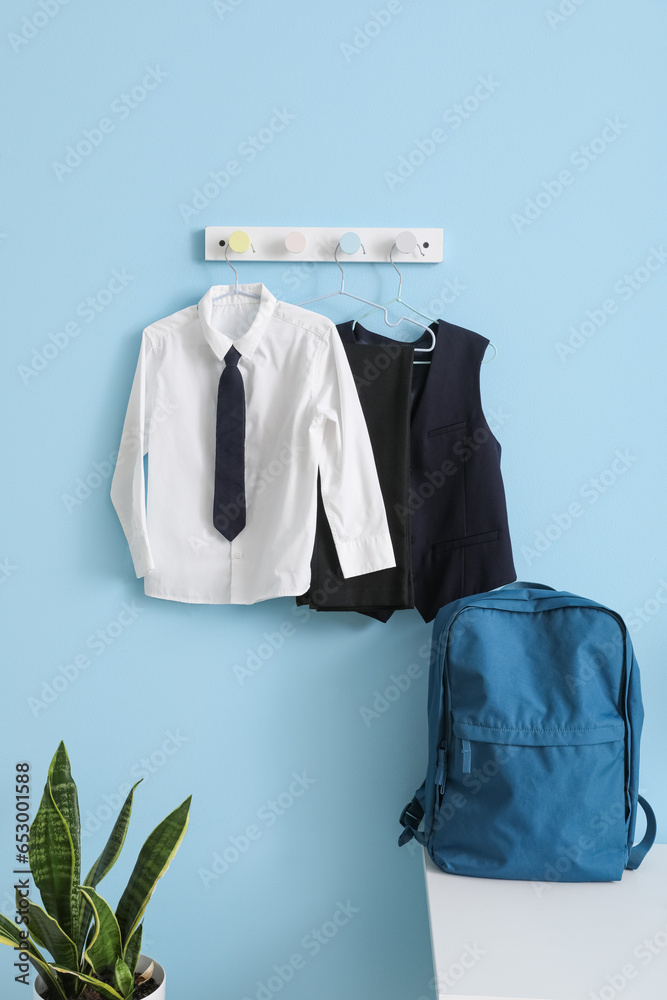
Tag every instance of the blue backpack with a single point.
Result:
(535, 716)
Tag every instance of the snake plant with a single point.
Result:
(93, 949)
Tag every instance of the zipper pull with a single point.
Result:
(440, 770)
(466, 753)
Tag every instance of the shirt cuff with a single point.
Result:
(141, 557)
(366, 555)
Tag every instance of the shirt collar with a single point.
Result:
(223, 315)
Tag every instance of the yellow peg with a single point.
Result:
(239, 241)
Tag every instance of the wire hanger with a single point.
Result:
(236, 290)
(375, 305)
(398, 298)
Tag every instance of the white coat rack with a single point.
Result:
(318, 243)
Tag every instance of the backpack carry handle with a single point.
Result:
(523, 585)
(639, 851)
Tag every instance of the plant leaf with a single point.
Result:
(105, 863)
(106, 991)
(124, 978)
(10, 934)
(153, 861)
(48, 972)
(52, 861)
(112, 849)
(46, 932)
(105, 947)
(65, 798)
(133, 949)
(62, 983)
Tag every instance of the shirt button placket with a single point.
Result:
(238, 589)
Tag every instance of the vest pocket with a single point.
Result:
(448, 428)
(534, 804)
(457, 543)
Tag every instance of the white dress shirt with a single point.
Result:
(302, 413)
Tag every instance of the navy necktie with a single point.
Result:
(229, 504)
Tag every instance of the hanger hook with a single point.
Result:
(236, 277)
(339, 247)
(340, 268)
(400, 276)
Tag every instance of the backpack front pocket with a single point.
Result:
(517, 803)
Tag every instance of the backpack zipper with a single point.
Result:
(441, 767)
(444, 716)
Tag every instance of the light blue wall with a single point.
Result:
(561, 420)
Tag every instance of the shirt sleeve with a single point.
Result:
(128, 487)
(350, 487)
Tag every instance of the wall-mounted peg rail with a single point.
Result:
(318, 243)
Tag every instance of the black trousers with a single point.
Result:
(383, 376)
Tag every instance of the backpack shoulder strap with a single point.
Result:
(639, 851)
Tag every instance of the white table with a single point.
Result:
(499, 940)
